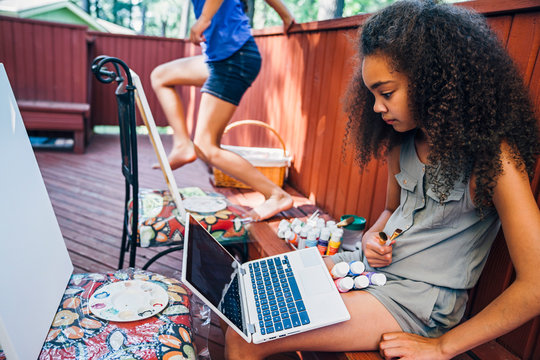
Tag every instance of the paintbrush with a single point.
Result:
(384, 240)
(345, 221)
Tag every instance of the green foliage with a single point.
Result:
(162, 17)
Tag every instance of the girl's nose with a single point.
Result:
(379, 107)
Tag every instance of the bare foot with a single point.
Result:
(271, 206)
(180, 155)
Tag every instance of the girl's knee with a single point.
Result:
(157, 76)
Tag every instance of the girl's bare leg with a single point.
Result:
(369, 320)
(214, 114)
(186, 71)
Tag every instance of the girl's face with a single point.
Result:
(389, 87)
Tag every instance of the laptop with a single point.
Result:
(263, 299)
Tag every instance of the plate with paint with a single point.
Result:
(128, 300)
(204, 204)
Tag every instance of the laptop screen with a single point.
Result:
(213, 272)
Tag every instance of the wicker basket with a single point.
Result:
(272, 162)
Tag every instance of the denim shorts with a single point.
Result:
(230, 78)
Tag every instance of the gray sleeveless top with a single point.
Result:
(444, 243)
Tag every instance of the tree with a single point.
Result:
(330, 9)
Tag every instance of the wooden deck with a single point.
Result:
(87, 193)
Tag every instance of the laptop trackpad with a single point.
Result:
(314, 281)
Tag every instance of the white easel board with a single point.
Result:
(35, 266)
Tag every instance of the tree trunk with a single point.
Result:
(86, 6)
(330, 9)
(184, 19)
(250, 10)
(143, 17)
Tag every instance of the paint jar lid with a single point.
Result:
(361, 282)
(358, 224)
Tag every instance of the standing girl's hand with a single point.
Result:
(406, 346)
(377, 255)
(196, 34)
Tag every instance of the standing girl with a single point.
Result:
(229, 64)
(439, 97)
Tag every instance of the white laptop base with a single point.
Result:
(243, 302)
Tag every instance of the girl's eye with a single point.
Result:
(387, 95)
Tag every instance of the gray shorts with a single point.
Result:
(421, 308)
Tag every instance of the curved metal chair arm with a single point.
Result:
(106, 75)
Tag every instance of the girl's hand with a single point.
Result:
(196, 34)
(377, 255)
(406, 346)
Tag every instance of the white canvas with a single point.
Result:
(34, 263)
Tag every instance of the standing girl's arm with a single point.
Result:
(519, 303)
(376, 254)
(203, 22)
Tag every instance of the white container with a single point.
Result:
(352, 233)
(339, 270)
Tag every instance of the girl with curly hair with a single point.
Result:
(438, 97)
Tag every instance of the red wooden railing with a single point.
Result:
(298, 92)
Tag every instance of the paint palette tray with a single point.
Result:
(129, 300)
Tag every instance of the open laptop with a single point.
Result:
(263, 299)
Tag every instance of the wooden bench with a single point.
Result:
(265, 242)
(57, 116)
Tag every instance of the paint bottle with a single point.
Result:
(361, 282)
(302, 236)
(296, 228)
(282, 228)
(291, 237)
(322, 245)
(330, 223)
(334, 243)
(311, 239)
(339, 270)
(356, 268)
(344, 284)
(376, 278)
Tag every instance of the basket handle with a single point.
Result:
(258, 123)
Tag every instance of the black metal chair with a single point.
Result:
(166, 229)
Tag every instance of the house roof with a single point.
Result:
(59, 11)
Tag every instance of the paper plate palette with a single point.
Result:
(129, 300)
(204, 204)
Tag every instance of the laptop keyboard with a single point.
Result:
(278, 300)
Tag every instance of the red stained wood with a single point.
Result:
(298, 92)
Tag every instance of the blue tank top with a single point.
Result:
(444, 243)
(228, 31)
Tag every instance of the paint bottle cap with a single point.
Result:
(297, 228)
(321, 222)
(330, 223)
(361, 282)
(296, 221)
(340, 270)
(325, 234)
(284, 224)
(378, 279)
(337, 234)
(312, 234)
(305, 230)
(356, 268)
(344, 284)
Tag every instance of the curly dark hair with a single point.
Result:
(464, 90)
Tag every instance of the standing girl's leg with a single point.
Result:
(214, 115)
(186, 71)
